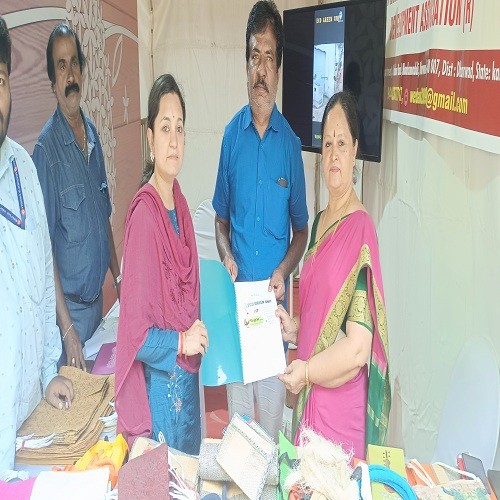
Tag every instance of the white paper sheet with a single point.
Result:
(86, 485)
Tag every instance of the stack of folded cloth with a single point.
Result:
(213, 477)
(65, 435)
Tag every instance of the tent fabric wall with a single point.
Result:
(435, 203)
(437, 208)
(203, 45)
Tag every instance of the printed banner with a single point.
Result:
(451, 87)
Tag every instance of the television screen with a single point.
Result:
(329, 48)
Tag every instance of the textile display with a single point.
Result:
(232, 492)
(210, 469)
(442, 482)
(246, 454)
(75, 429)
(146, 476)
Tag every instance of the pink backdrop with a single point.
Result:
(107, 30)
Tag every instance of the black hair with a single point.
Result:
(265, 14)
(59, 31)
(164, 84)
(5, 44)
(348, 105)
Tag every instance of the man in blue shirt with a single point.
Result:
(259, 194)
(70, 165)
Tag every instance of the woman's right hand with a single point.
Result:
(288, 325)
(196, 339)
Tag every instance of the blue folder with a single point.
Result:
(222, 363)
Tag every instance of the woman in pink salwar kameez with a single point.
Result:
(341, 372)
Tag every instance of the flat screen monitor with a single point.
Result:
(329, 48)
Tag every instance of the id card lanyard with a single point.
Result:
(17, 220)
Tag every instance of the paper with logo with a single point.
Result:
(244, 332)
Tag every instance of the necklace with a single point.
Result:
(336, 224)
(155, 180)
(157, 186)
(84, 139)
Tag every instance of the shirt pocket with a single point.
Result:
(276, 218)
(74, 214)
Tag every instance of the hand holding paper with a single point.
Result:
(245, 336)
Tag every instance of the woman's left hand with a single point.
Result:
(288, 325)
(294, 377)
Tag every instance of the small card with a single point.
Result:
(106, 359)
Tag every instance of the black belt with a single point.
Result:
(79, 300)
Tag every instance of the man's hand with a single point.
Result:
(231, 266)
(277, 285)
(73, 347)
(60, 393)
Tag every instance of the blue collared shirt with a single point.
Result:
(260, 189)
(77, 202)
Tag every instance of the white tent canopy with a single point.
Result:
(435, 203)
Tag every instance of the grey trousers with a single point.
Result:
(264, 401)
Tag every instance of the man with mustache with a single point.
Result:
(29, 336)
(70, 164)
(259, 194)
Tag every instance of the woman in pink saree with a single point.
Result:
(341, 372)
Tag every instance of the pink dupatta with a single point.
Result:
(327, 283)
(160, 287)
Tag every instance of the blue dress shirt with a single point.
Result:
(260, 189)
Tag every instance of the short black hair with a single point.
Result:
(348, 105)
(5, 44)
(59, 31)
(265, 14)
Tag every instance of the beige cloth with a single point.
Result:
(76, 429)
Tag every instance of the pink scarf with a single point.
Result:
(161, 288)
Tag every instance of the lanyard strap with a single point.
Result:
(19, 221)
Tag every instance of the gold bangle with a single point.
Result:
(66, 332)
(308, 383)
